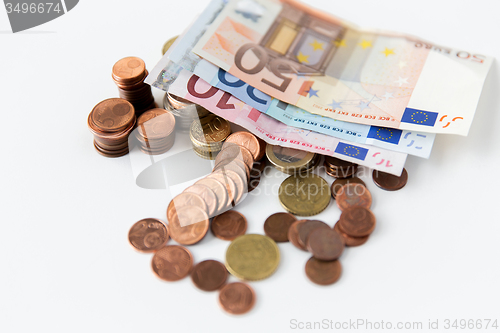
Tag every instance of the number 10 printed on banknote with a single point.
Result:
(329, 67)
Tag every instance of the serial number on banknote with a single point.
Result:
(24, 8)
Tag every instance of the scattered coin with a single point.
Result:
(207, 195)
(389, 182)
(247, 140)
(357, 221)
(233, 151)
(240, 183)
(325, 244)
(229, 225)
(338, 183)
(168, 44)
(148, 235)
(277, 225)
(353, 195)
(252, 257)
(306, 228)
(237, 298)
(188, 225)
(172, 263)
(228, 183)
(237, 166)
(304, 195)
(293, 234)
(209, 275)
(323, 272)
(349, 240)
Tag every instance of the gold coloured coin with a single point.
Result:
(289, 160)
(168, 44)
(252, 257)
(304, 195)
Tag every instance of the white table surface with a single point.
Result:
(66, 265)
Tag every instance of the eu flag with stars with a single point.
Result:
(384, 134)
(419, 117)
(351, 151)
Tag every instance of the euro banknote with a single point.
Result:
(184, 84)
(317, 62)
(410, 142)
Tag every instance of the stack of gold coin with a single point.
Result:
(129, 74)
(292, 161)
(111, 122)
(155, 133)
(184, 111)
(208, 134)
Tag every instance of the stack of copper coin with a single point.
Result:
(338, 168)
(111, 122)
(129, 74)
(184, 111)
(208, 134)
(155, 133)
(292, 161)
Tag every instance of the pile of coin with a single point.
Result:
(111, 122)
(208, 134)
(184, 111)
(129, 74)
(155, 134)
(338, 168)
(292, 161)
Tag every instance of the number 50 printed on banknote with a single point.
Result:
(329, 67)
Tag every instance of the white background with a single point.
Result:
(66, 265)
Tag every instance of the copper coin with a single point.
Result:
(247, 140)
(325, 244)
(339, 168)
(225, 180)
(182, 200)
(306, 228)
(240, 183)
(293, 234)
(357, 221)
(353, 195)
(148, 235)
(229, 225)
(188, 225)
(323, 272)
(349, 240)
(233, 151)
(277, 226)
(389, 182)
(258, 168)
(156, 124)
(209, 275)
(219, 190)
(252, 185)
(112, 115)
(207, 195)
(237, 166)
(237, 298)
(172, 263)
(263, 146)
(129, 69)
(338, 183)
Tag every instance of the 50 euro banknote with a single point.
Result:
(329, 67)
(410, 142)
(184, 84)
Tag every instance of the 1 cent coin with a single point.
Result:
(389, 182)
(189, 225)
(357, 221)
(209, 275)
(306, 228)
(323, 272)
(229, 225)
(148, 235)
(349, 240)
(237, 298)
(353, 195)
(172, 263)
(277, 225)
(325, 244)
